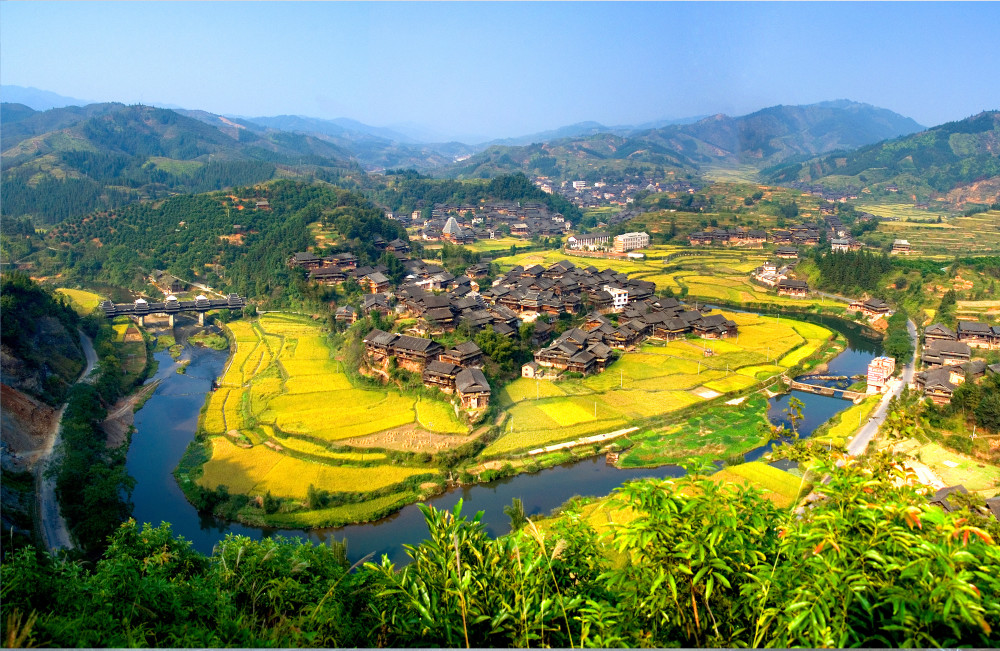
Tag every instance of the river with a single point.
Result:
(167, 422)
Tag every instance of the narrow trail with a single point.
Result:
(55, 533)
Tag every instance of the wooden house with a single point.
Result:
(472, 388)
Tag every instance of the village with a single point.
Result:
(623, 312)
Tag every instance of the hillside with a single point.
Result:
(763, 138)
(373, 147)
(69, 161)
(961, 158)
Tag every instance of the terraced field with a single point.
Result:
(283, 387)
(661, 378)
(975, 235)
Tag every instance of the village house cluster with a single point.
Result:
(457, 370)
(947, 358)
(596, 194)
(466, 223)
(440, 302)
(770, 274)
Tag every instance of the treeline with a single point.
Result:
(707, 565)
(408, 190)
(851, 271)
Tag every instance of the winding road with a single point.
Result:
(864, 436)
(55, 533)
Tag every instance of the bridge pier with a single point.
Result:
(170, 320)
(142, 319)
(201, 318)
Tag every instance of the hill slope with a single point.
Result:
(73, 160)
(763, 138)
(928, 164)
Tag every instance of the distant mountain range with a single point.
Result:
(75, 159)
(764, 138)
(960, 159)
(39, 100)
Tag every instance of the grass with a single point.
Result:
(344, 514)
(977, 476)
(709, 435)
(83, 302)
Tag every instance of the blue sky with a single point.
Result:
(472, 70)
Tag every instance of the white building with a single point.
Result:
(579, 185)
(619, 295)
(630, 241)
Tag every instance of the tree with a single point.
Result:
(988, 411)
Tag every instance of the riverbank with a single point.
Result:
(251, 462)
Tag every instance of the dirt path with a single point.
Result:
(55, 533)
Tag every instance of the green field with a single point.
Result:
(718, 431)
(661, 378)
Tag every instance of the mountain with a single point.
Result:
(373, 147)
(39, 100)
(74, 160)
(932, 163)
(760, 139)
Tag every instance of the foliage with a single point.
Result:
(688, 562)
(848, 271)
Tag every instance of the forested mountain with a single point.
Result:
(763, 138)
(208, 238)
(930, 163)
(73, 160)
(41, 354)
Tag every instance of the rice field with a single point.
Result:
(706, 274)
(847, 422)
(260, 469)
(660, 378)
(780, 487)
(978, 234)
(83, 302)
(282, 376)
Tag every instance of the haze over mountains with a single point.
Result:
(72, 159)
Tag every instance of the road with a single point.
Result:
(55, 533)
(864, 436)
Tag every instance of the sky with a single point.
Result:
(477, 70)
